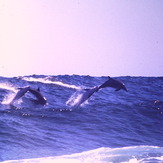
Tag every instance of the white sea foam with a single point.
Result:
(8, 98)
(81, 97)
(134, 154)
(7, 87)
(75, 99)
(47, 81)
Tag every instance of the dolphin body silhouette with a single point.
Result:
(36, 92)
(109, 83)
(20, 93)
(114, 84)
(88, 92)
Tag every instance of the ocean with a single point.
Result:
(111, 126)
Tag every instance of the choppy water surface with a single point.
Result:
(109, 127)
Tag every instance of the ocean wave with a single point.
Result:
(134, 154)
(120, 122)
(46, 80)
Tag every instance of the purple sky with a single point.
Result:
(85, 37)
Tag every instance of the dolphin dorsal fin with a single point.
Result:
(38, 89)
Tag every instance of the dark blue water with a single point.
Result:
(115, 126)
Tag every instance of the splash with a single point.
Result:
(7, 87)
(81, 97)
(47, 81)
(75, 99)
(8, 98)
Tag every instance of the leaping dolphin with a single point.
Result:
(36, 92)
(20, 93)
(114, 84)
(89, 92)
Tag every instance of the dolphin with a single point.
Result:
(36, 92)
(88, 92)
(114, 84)
(20, 93)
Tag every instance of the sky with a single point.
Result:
(84, 37)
